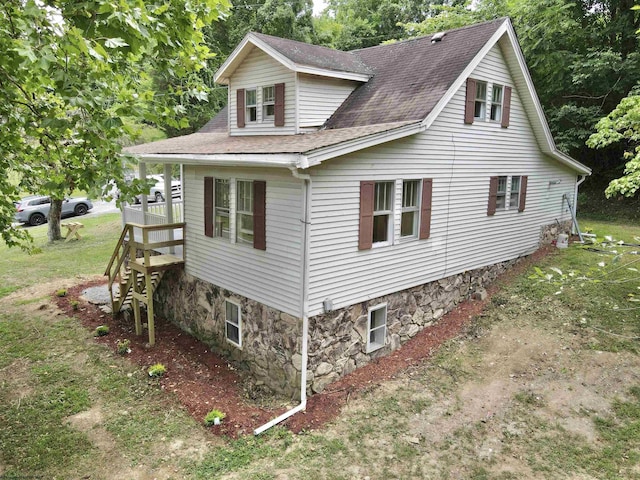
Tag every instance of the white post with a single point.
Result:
(142, 175)
(168, 201)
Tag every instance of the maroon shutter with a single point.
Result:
(279, 105)
(470, 101)
(523, 193)
(240, 107)
(506, 107)
(493, 196)
(425, 208)
(260, 215)
(208, 206)
(365, 238)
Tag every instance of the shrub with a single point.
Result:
(210, 419)
(123, 347)
(157, 370)
(61, 293)
(102, 330)
(74, 304)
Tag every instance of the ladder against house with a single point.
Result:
(142, 255)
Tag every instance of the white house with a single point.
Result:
(346, 200)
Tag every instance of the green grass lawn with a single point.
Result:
(88, 256)
(71, 408)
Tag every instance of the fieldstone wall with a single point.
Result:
(338, 340)
(269, 337)
(549, 233)
(271, 340)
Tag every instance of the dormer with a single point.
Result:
(284, 87)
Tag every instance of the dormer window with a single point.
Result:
(480, 108)
(268, 103)
(251, 105)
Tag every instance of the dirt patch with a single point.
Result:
(203, 380)
(18, 377)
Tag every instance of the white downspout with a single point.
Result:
(303, 305)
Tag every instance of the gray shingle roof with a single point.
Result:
(411, 76)
(210, 143)
(315, 55)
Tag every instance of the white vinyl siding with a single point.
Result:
(272, 277)
(460, 159)
(259, 70)
(319, 97)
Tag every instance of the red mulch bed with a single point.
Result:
(203, 380)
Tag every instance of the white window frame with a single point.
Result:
(242, 212)
(495, 114)
(228, 322)
(380, 330)
(268, 103)
(388, 211)
(514, 205)
(222, 211)
(250, 106)
(411, 208)
(480, 101)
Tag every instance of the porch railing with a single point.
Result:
(156, 214)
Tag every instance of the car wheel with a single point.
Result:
(159, 197)
(81, 209)
(37, 219)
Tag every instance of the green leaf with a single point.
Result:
(115, 43)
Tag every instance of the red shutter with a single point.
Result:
(425, 208)
(470, 101)
(208, 206)
(240, 107)
(365, 239)
(506, 107)
(493, 195)
(260, 215)
(523, 193)
(279, 105)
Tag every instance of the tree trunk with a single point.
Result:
(53, 218)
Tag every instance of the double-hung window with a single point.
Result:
(222, 208)
(382, 212)
(233, 323)
(244, 212)
(508, 192)
(251, 105)
(514, 195)
(377, 327)
(501, 198)
(268, 103)
(480, 108)
(410, 208)
(496, 103)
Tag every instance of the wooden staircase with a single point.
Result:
(142, 255)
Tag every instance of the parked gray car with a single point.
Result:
(35, 208)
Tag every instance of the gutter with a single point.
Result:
(303, 305)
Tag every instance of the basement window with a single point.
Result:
(377, 327)
(233, 323)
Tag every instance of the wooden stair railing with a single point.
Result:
(137, 267)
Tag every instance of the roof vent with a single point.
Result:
(437, 37)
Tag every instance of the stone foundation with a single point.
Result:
(338, 340)
(549, 233)
(269, 337)
(271, 340)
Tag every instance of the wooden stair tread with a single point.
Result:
(160, 261)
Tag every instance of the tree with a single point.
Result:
(72, 72)
(622, 125)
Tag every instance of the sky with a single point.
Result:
(318, 6)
